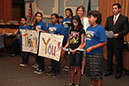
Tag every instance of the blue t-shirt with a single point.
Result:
(55, 29)
(65, 27)
(42, 26)
(95, 36)
(22, 28)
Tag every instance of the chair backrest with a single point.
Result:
(13, 21)
(1, 21)
(2, 41)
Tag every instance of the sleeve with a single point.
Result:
(58, 30)
(125, 27)
(29, 27)
(102, 35)
(48, 28)
(107, 25)
(18, 30)
(82, 31)
(44, 26)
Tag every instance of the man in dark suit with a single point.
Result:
(119, 25)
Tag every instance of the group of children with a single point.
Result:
(80, 33)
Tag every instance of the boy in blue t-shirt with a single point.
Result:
(66, 23)
(95, 40)
(23, 26)
(41, 27)
(55, 28)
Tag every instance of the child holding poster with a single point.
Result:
(41, 27)
(75, 42)
(23, 26)
(54, 28)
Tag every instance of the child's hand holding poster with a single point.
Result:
(50, 46)
(30, 41)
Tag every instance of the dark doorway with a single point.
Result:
(18, 9)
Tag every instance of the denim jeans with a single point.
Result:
(25, 56)
(55, 66)
(41, 63)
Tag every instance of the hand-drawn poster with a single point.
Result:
(50, 46)
(30, 41)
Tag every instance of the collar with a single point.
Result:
(117, 16)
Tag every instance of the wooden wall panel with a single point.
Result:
(6, 10)
(105, 7)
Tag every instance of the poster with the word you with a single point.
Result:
(50, 46)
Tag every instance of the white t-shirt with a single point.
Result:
(85, 23)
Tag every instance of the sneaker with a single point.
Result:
(23, 65)
(77, 85)
(49, 66)
(39, 71)
(35, 65)
(13, 55)
(65, 68)
(71, 84)
(56, 75)
(50, 73)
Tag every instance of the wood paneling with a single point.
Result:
(105, 7)
(6, 10)
(7, 30)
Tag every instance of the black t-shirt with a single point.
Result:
(75, 38)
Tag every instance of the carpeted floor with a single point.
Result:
(11, 74)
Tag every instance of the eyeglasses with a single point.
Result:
(38, 16)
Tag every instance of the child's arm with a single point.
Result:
(83, 42)
(67, 44)
(15, 32)
(44, 28)
(41, 30)
(96, 46)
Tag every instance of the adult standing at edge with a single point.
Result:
(119, 25)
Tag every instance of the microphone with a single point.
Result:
(74, 24)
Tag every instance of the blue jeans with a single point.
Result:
(25, 56)
(36, 58)
(55, 66)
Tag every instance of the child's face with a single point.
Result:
(80, 12)
(60, 20)
(67, 13)
(92, 20)
(23, 21)
(38, 17)
(53, 19)
(75, 23)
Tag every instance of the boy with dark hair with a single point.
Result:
(95, 40)
(60, 19)
(23, 26)
(65, 31)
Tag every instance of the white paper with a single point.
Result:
(80, 49)
(66, 49)
(109, 34)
